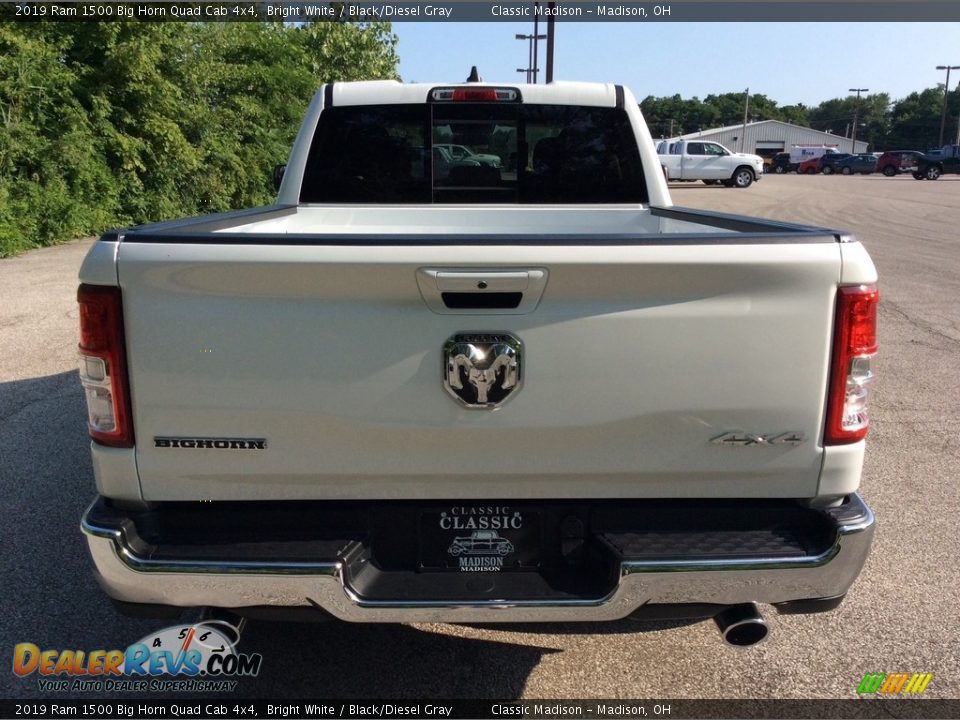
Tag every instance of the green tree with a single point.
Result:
(120, 123)
(731, 106)
(836, 115)
(51, 187)
(671, 116)
(250, 86)
(915, 119)
(797, 114)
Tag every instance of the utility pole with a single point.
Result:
(746, 112)
(536, 38)
(946, 94)
(856, 110)
(551, 32)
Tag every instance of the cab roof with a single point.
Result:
(392, 92)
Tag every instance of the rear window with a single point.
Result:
(473, 153)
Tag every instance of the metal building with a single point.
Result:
(768, 137)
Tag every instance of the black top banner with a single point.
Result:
(408, 709)
(473, 11)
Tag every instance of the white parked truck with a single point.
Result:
(708, 161)
(538, 392)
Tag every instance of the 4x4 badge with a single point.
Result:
(743, 439)
(482, 370)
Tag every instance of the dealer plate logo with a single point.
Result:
(479, 546)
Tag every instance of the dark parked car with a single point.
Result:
(462, 152)
(893, 162)
(864, 164)
(781, 163)
(931, 166)
(828, 162)
(444, 161)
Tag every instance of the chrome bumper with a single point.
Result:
(133, 577)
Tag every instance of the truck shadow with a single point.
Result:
(47, 480)
(385, 661)
(410, 661)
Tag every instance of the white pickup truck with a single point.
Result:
(708, 161)
(533, 392)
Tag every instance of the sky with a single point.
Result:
(788, 62)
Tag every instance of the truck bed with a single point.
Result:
(584, 224)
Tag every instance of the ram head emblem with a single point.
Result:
(481, 370)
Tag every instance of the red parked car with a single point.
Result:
(894, 162)
(809, 166)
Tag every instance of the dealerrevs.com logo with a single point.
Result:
(194, 658)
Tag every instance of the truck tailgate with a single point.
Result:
(635, 359)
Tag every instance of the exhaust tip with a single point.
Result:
(742, 626)
(231, 624)
(746, 633)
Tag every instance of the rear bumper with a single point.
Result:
(630, 568)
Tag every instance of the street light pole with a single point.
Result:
(536, 37)
(531, 69)
(946, 94)
(746, 112)
(856, 110)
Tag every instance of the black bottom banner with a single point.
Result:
(480, 709)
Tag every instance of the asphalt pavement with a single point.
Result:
(901, 616)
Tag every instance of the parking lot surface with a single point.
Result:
(901, 616)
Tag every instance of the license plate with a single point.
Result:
(479, 538)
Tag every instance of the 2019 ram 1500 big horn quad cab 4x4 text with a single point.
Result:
(343, 403)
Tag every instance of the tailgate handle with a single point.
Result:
(481, 291)
(490, 282)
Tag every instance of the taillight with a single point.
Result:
(854, 350)
(103, 369)
(474, 94)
